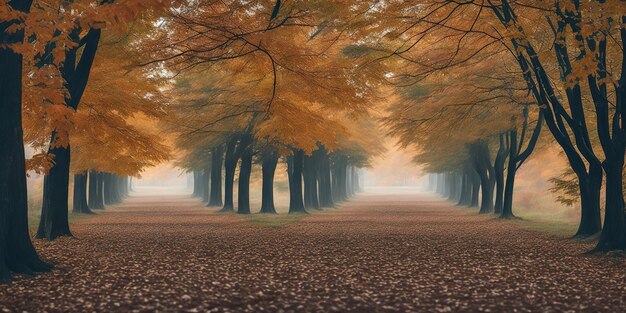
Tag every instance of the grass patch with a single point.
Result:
(552, 223)
(274, 220)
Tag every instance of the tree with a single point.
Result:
(66, 36)
(17, 253)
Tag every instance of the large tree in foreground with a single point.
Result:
(65, 36)
(17, 253)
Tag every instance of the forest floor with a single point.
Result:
(378, 253)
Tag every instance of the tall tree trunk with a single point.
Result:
(590, 187)
(455, 187)
(441, 182)
(230, 164)
(517, 157)
(107, 190)
(99, 198)
(323, 174)
(356, 185)
(311, 199)
(269, 169)
(80, 194)
(196, 183)
(294, 168)
(507, 209)
(17, 253)
(499, 166)
(466, 186)
(54, 210)
(92, 189)
(243, 195)
(480, 153)
(206, 177)
(339, 178)
(215, 197)
(348, 181)
(475, 181)
(613, 235)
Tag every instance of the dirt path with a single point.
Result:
(384, 253)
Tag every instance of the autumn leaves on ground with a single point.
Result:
(382, 252)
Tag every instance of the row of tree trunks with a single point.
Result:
(17, 253)
(115, 188)
(580, 153)
(312, 183)
(479, 173)
(106, 189)
(103, 189)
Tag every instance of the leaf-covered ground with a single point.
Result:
(378, 253)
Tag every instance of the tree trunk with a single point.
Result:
(479, 151)
(107, 188)
(475, 181)
(499, 165)
(196, 183)
(243, 195)
(206, 177)
(99, 199)
(455, 187)
(269, 169)
(440, 184)
(215, 197)
(311, 199)
(80, 194)
(486, 204)
(466, 187)
(507, 209)
(294, 168)
(356, 185)
(92, 189)
(17, 253)
(230, 164)
(54, 210)
(339, 178)
(323, 175)
(590, 187)
(613, 235)
(349, 181)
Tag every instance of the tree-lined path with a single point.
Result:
(384, 251)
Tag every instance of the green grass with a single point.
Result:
(274, 220)
(553, 223)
